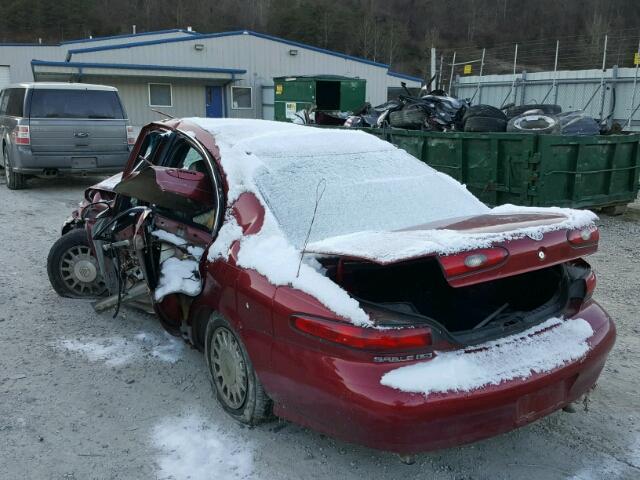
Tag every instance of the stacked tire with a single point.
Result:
(534, 118)
(545, 108)
(484, 118)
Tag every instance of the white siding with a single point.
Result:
(19, 58)
(263, 59)
(188, 98)
(5, 76)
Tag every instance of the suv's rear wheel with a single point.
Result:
(233, 378)
(73, 270)
(15, 181)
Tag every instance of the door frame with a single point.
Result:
(223, 99)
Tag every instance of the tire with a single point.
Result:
(547, 109)
(485, 124)
(409, 117)
(15, 181)
(73, 270)
(483, 111)
(542, 124)
(232, 361)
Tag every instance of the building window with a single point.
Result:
(241, 98)
(160, 95)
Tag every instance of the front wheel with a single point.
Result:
(15, 181)
(73, 269)
(233, 379)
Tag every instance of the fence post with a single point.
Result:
(603, 90)
(453, 66)
(515, 63)
(614, 84)
(523, 82)
(479, 86)
(635, 84)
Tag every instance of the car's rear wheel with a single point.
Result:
(15, 181)
(73, 269)
(233, 378)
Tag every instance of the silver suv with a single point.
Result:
(48, 129)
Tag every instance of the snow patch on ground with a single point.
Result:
(539, 349)
(117, 351)
(194, 449)
(178, 276)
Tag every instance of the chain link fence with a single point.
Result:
(598, 75)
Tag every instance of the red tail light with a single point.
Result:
(21, 135)
(364, 338)
(583, 237)
(131, 137)
(469, 262)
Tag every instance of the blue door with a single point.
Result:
(214, 102)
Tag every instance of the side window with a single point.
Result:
(184, 156)
(15, 102)
(152, 146)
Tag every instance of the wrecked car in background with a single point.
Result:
(334, 280)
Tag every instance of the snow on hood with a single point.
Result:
(542, 348)
(393, 246)
(248, 148)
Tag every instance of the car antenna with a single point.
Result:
(319, 193)
(162, 113)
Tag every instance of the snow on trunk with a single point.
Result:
(540, 349)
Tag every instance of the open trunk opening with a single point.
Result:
(418, 288)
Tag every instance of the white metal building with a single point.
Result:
(184, 73)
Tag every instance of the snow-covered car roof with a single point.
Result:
(373, 194)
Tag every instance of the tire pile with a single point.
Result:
(536, 118)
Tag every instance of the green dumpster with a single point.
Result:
(327, 92)
(528, 169)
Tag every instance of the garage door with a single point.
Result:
(5, 79)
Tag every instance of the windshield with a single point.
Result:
(383, 190)
(67, 103)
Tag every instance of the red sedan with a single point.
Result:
(333, 280)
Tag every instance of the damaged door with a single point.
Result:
(174, 197)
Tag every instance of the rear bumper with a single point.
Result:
(348, 401)
(33, 163)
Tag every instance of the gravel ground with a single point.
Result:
(86, 396)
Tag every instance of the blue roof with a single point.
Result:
(129, 35)
(405, 77)
(204, 36)
(135, 66)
